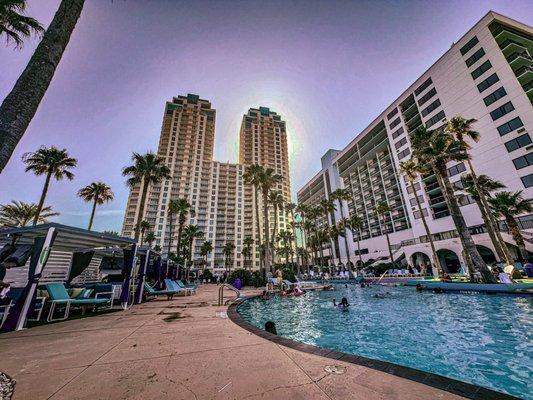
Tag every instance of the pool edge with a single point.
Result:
(450, 385)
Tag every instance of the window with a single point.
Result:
(527, 180)
(427, 96)
(517, 143)
(397, 133)
(436, 118)
(496, 95)
(524, 161)
(394, 123)
(404, 153)
(481, 69)
(456, 169)
(410, 189)
(417, 213)
(413, 200)
(484, 85)
(502, 110)
(423, 86)
(400, 143)
(392, 113)
(469, 45)
(510, 126)
(475, 57)
(430, 108)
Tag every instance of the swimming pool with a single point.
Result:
(486, 340)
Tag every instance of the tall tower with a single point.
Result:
(186, 145)
(263, 141)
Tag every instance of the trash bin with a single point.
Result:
(237, 284)
(529, 270)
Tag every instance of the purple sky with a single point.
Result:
(328, 67)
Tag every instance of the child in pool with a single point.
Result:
(342, 304)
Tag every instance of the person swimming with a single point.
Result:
(343, 304)
(271, 327)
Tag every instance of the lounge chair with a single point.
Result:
(186, 285)
(173, 285)
(59, 295)
(150, 291)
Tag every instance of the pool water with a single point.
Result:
(486, 340)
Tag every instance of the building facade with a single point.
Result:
(263, 141)
(486, 75)
(222, 203)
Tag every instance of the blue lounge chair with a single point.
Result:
(59, 295)
(190, 288)
(173, 285)
(150, 291)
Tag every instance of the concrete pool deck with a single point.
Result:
(186, 348)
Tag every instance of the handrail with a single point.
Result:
(221, 292)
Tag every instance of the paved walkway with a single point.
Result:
(181, 349)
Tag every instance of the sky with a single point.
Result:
(327, 67)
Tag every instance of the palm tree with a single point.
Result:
(342, 195)
(190, 233)
(146, 169)
(327, 207)
(334, 232)
(20, 105)
(509, 205)
(50, 162)
(382, 210)
(252, 176)
(205, 250)
(355, 224)
(290, 208)
(172, 210)
(307, 228)
(435, 149)
(97, 192)
(144, 226)
(461, 129)
(248, 242)
(269, 179)
(410, 170)
(488, 185)
(19, 214)
(15, 26)
(275, 199)
(285, 236)
(150, 238)
(227, 250)
(184, 208)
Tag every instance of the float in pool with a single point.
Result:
(484, 340)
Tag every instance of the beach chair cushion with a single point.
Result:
(57, 292)
(151, 291)
(85, 294)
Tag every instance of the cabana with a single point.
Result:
(59, 253)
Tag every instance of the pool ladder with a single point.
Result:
(221, 292)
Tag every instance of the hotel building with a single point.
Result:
(486, 75)
(223, 204)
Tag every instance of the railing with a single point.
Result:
(221, 292)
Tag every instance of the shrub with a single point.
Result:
(243, 274)
(257, 279)
(207, 275)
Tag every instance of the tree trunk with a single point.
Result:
(20, 105)
(145, 185)
(293, 226)
(436, 260)
(359, 248)
(169, 235)
(483, 205)
(180, 231)
(472, 257)
(514, 230)
(274, 234)
(268, 267)
(258, 223)
(93, 211)
(43, 197)
(345, 236)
